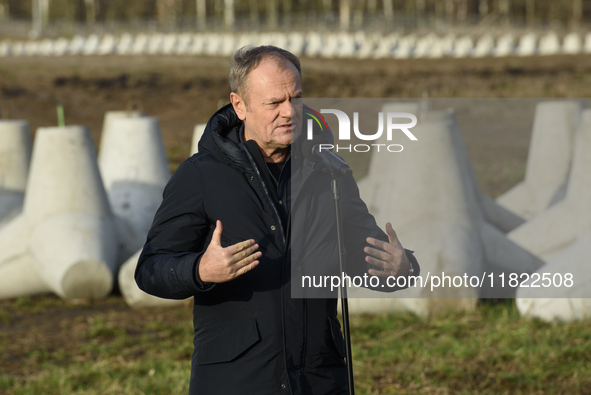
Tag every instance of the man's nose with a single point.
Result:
(286, 109)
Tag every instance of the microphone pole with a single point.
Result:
(337, 167)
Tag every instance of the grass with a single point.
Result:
(106, 348)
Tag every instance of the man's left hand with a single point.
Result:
(390, 257)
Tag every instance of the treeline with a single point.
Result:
(275, 13)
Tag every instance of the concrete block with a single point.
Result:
(91, 45)
(296, 43)
(61, 46)
(133, 296)
(125, 45)
(561, 303)
(32, 48)
(213, 44)
(198, 46)
(47, 47)
(385, 46)
(169, 43)
(528, 45)
(314, 44)
(549, 159)
(484, 46)
(347, 47)
(76, 45)
(197, 134)
(550, 44)
(463, 47)
(5, 48)
(15, 156)
(587, 48)
(184, 44)
(450, 233)
(505, 45)
(367, 44)
(107, 45)
(228, 44)
(573, 44)
(140, 45)
(560, 225)
(135, 170)
(406, 47)
(65, 237)
(155, 44)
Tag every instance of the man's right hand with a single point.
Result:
(219, 264)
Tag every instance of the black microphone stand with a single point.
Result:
(336, 193)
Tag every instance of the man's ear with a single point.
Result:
(239, 105)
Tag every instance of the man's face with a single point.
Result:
(269, 117)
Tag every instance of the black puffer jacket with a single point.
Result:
(251, 336)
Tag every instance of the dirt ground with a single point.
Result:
(184, 91)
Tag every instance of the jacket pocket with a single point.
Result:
(228, 343)
(337, 337)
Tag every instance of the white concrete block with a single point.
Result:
(47, 47)
(331, 46)
(198, 47)
(228, 44)
(384, 46)
(184, 44)
(155, 44)
(314, 44)
(367, 44)
(587, 48)
(560, 225)
(132, 294)
(76, 45)
(463, 47)
(32, 48)
(485, 46)
(550, 44)
(61, 46)
(91, 45)
(347, 47)
(140, 45)
(560, 302)
(66, 231)
(528, 45)
(548, 161)
(15, 156)
(450, 233)
(213, 44)
(5, 48)
(135, 170)
(125, 44)
(573, 44)
(107, 45)
(405, 47)
(296, 43)
(505, 45)
(169, 43)
(197, 134)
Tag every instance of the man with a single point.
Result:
(222, 235)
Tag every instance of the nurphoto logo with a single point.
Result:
(391, 119)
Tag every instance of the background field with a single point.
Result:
(51, 346)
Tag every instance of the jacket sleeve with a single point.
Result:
(358, 225)
(168, 264)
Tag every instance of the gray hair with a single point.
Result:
(248, 58)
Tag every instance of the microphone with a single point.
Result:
(317, 150)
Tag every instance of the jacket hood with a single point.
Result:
(221, 137)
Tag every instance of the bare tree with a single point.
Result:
(90, 7)
(388, 11)
(530, 12)
(201, 7)
(504, 9)
(345, 14)
(286, 5)
(166, 11)
(272, 14)
(254, 12)
(483, 8)
(4, 9)
(40, 16)
(577, 13)
(229, 14)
